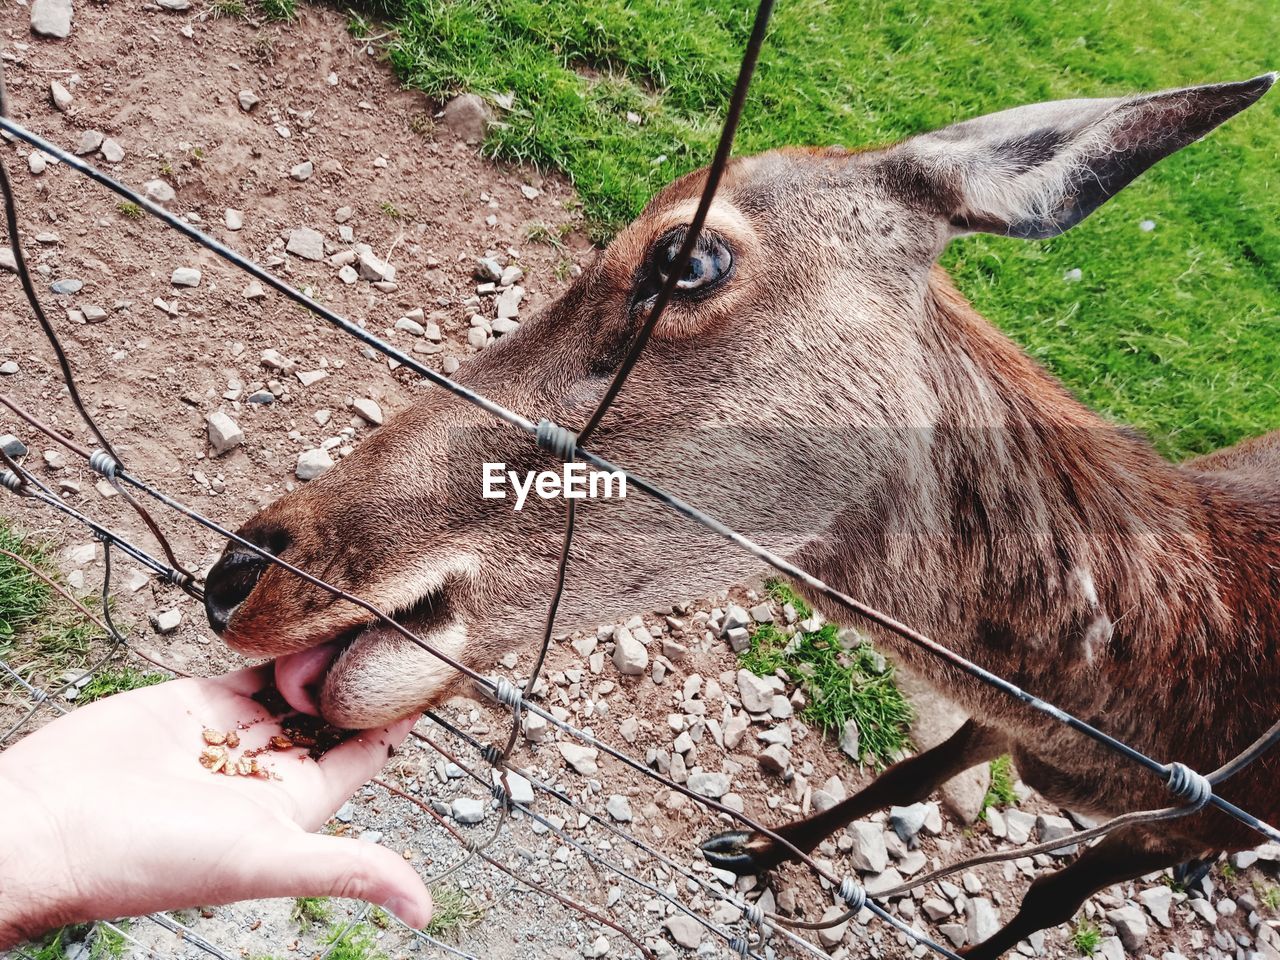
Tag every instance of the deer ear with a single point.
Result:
(1036, 171)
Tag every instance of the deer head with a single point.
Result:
(805, 313)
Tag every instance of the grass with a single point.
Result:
(129, 210)
(1087, 938)
(392, 212)
(1270, 896)
(354, 944)
(1000, 793)
(840, 682)
(309, 910)
(104, 943)
(279, 10)
(454, 911)
(1174, 331)
(39, 635)
(233, 9)
(113, 680)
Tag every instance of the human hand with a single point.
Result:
(107, 812)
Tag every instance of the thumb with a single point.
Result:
(317, 865)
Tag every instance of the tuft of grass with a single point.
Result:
(1228, 871)
(552, 235)
(279, 10)
(455, 911)
(233, 9)
(358, 943)
(1270, 896)
(103, 942)
(112, 680)
(391, 211)
(1000, 793)
(23, 597)
(1173, 331)
(1087, 938)
(129, 210)
(840, 682)
(309, 910)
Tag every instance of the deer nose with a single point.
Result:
(229, 584)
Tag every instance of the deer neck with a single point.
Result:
(1023, 522)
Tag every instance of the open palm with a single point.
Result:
(114, 815)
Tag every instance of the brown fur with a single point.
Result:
(839, 402)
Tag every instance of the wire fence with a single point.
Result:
(750, 934)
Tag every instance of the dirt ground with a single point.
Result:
(167, 88)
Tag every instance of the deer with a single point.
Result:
(819, 383)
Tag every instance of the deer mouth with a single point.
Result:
(320, 679)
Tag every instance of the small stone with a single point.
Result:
(410, 326)
(112, 152)
(508, 304)
(1019, 825)
(89, 142)
(1131, 927)
(234, 219)
(469, 810)
(93, 313)
(907, 822)
(254, 291)
(468, 117)
(374, 269)
(343, 214)
(9, 368)
(175, 6)
(14, 447)
(832, 936)
(302, 172)
(186, 277)
(755, 692)
(37, 164)
(60, 95)
(1074, 275)
(310, 378)
(51, 18)
(849, 739)
(1052, 828)
(713, 785)
(1158, 901)
(66, 286)
(166, 621)
(224, 433)
(159, 191)
(629, 654)
(684, 930)
(597, 948)
(1146, 226)
(981, 920)
(312, 463)
(488, 270)
(582, 759)
(248, 100)
(367, 410)
(775, 759)
(348, 274)
(306, 243)
(619, 808)
(868, 854)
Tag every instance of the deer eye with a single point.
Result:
(708, 266)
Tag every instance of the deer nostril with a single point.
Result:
(229, 584)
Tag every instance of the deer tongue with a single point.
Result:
(299, 676)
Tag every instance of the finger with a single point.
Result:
(316, 865)
(352, 763)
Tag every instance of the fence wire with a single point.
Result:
(1193, 789)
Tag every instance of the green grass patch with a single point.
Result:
(357, 943)
(104, 943)
(113, 680)
(23, 596)
(1175, 331)
(233, 9)
(454, 911)
(278, 10)
(841, 681)
(1087, 938)
(1000, 794)
(309, 910)
(1270, 896)
(129, 210)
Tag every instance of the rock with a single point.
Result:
(469, 810)
(166, 621)
(6, 259)
(175, 6)
(762, 613)
(306, 243)
(186, 277)
(964, 794)
(629, 654)
(597, 948)
(112, 152)
(713, 785)
(159, 191)
(734, 617)
(981, 920)
(775, 759)
(1074, 275)
(467, 116)
(51, 18)
(60, 95)
(755, 692)
(1204, 910)
(881, 883)
(1131, 927)
(488, 270)
(582, 759)
(367, 410)
(1052, 828)
(373, 269)
(619, 808)
(302, 172)
(14, 447)
(1110, 949)
(869, 854)
(832, 936)
(37, 164)
(508, 304)
(254, 291)
(535, 728)
(1019, 824)
(248, 100)
(849, 738)
(1158, 901)
(684, 930)
(89, 142)
(735, 729)
(410, 326)
(309, 378)
(224, 433)
(9, 368)
(907, 822)
(1146, 226)
(518, 788)
(234, 219)
(312, 463)
(935, 908)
